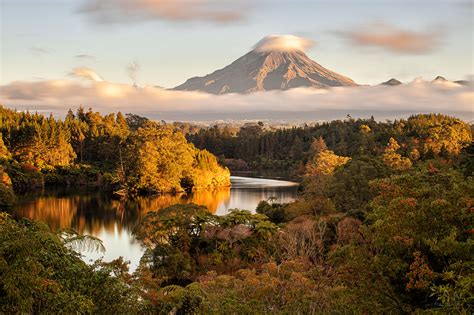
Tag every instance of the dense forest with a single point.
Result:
(383, 223)
(257, 146)
(128, 155)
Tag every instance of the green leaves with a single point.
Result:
(39, 274)
(187, 240)
(80, 243)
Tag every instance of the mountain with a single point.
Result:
(267, 70)
(439, 79)
(391, 82)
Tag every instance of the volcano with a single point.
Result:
(275, 66)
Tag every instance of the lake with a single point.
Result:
(97, 214)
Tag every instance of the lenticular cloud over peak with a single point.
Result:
(86, 73)
(283, 43)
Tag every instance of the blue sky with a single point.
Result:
(40, 39)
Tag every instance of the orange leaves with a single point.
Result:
(420, 275)
(432, 168)
(409, 202)
(405, 241)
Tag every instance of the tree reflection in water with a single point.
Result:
(97, 214)
(89, 212)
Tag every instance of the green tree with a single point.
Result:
(349, 188)
(39, 274)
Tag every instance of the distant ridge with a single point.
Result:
(439, 79)
(463, 82)
(391, 82)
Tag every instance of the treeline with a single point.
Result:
(427, 135)
(130, 155)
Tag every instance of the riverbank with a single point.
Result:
(267, 174)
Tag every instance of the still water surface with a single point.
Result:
(95, 213)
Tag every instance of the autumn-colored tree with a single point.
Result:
(206, 173)
(422, 223)
(393, 159)
(7, 195)
(436, 132)
(4, 153)
(157, 159)
(323, 161)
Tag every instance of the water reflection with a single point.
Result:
(113, 221)
(92, 211)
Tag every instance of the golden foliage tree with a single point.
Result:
(393, 159)
(323, 161)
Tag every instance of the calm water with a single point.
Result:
(113, 221)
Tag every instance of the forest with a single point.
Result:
(259, 146)
(126, 155)
(383, 222)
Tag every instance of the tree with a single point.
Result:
(186, 241)
(323, 161)
(173, 235)
(422, 228)
(157, 159)
(436, 133)
(135, 121)
(205, 173)
(7, 195)
(393, 159)
(349, 188)
(4, 153)
(39, 274)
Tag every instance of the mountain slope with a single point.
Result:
(391, 82)
(267, 70)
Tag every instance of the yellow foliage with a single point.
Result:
(393, 159)
(325, 162)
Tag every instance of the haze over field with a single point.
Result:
(128, 55)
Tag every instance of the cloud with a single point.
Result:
(86, 73)
(84, 57)
(57, 96)
(394, 39)
(38, 51)
(283, 43)
(128, 11)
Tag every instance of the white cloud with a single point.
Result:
(283, 43)
(86, 73)
(128, 11)
(57, 96)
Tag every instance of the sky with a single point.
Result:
(162, 43)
